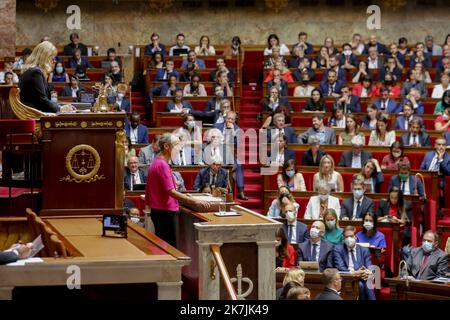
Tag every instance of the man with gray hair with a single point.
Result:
(212, 177)
(431, 47)
(279, 128)
(356, 157)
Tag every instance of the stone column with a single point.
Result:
(208, 289)
(266, 270)
(169, 290)
(7, 28)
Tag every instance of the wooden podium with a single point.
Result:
(83, 164)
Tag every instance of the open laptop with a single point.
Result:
(87, 97)
(180, 52)
(139, 186)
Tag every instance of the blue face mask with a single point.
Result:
(290, 173)
(59, 69)
(427, 246)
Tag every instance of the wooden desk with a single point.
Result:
(313, 281)
(141, 258)
(418, 290)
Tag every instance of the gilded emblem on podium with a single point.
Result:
(83, 163)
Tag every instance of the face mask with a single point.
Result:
(305, 82)
(347, 52)
(323, 197)
(314, 233)
(54, 99)
(283, 194)
(219, 94)
(368, 225)
(350, 242)
(445, 117)
(135, 219)
(278, 243)
(290, 216)
(59, 69)
(190, 124)
(403, 176)
(427, 246)
(290, 173)
(331, 224)
(396, 154)
(120, 96)
(358, 193)
(388, 83)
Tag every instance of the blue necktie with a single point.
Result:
(314, 252)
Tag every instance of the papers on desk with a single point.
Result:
(25, 261)
(37, 246)
(227, 214)
(363, 244)
(208, 198)
(441, 280)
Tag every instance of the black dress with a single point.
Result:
(34, 91)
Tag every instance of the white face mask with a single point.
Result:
(54, 99)
(290, 173)
(120, 96)
(190, 124)
(278, 243)
(347, 52)
(445, 116)
(427, 246)
(368, 225)
(290, 216)
(314, 232)
(396, 154)
(323, 197)
(350, 242)
(331, 224)
(358, 193)
(135, 219)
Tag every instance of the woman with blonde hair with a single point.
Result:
(328, 175)
(333, 233)
(34, 90)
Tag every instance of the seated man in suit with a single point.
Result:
(334, 65)
(167, 89)
(356, 157)
(137, 132)
(333, 285)
(163, 74)
(221, 66)
(413, 98)
(179, 45)
(115, 72)
(212, 177)
(230, 130)
(148, 153)
(438, 161)
(428, 261)
(16, 252)
(331, 86)
(275, 100)
(421, 56)
(349, 257)
(404, 181)
(347, 59)
(325, 134)
(73, 88)
(316, 249)
(295, 231)
(279, 122)
(75, 44)
(353, 208)
(314, 154)
(385, 104)
(178, 104)
(349, 102)
(213, 104)
(303, 45)
(78, 60)
(279, 83)
(193, 61)
(121, 99)
(373, 42)
(155, 46)
(416, 136)
(374, 61)
(402, 122)
(133, 174)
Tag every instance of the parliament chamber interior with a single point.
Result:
(173, 153)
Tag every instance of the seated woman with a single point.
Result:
(290, 177)
(369, 233)
(204, 48)
(192, 130)
(59, 74)
(366, 88)
(294, 278)
(157, 62)
(373, 176)
(382, 135)
(441, 88)
(304, 89)
(195, 88)
(286, 256)
(285, 73)
(317, 205)
(316, 103)
(423, 74)
(284, 198)
(396, 209)
(329, 44)
(275, 58)
(443, 104)
(322, 61)
(337, 119)
(396, 154)
(351, 130)
(392, 85)
(178, 104)
(371, 119)
(235, 49)
(333, 233)
(362, 72)
(442, 122)
(272, 42)
(328, 175)
(223, 82)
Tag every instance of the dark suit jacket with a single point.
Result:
(297, 75)
(125, 105)
(171, 105)
(200, 63)
(348, 206)
(288, 132)
(148, 49)
(8, 257)
(447, 137)
(237, 131)
(160, 72)
(142, 137)
(391, 105)
(353, 60)
(328, 294)
(67, 91)
(341, 259)
(395, 182)
(302, 233)
(383, 209)
(424, 139)
(436, 266)
(427, 63)
(444, 167)
(325, 255)
(397, 73)
(282, 102)
(308, 50)
(353, 106)
(127, 178)
(381, 48)
(307, 159)
(336, 89)
(34, 91)
(341, 76)
(212, 75)
(347, 156)
(162, 90)
(203, 176)
(283, 85)
(211, 105)
(400, 122)
(68, 49)
(84, 62)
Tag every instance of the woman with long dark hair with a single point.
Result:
(285, 253)
(316, 102)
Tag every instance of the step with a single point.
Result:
(250, 187)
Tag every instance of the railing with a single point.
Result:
(215, 250)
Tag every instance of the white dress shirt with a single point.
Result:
(406, 191)
(293, 229)
(137, 179)
(355, 205)
(134, 135)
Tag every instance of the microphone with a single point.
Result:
(418, 174)
(404, 272)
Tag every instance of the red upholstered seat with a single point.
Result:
(15, 126)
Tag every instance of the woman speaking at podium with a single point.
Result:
(33, 86)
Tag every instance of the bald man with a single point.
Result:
(317, 249)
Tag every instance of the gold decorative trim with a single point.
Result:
(66, 124)
(47, 124)
(120, 161)
(83, 162)
(101, 124)
(83, 124)
(119, 124)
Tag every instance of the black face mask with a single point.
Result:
(306, 82)
(388, 83)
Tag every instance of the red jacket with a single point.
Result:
(291, 261)
(357, 90)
